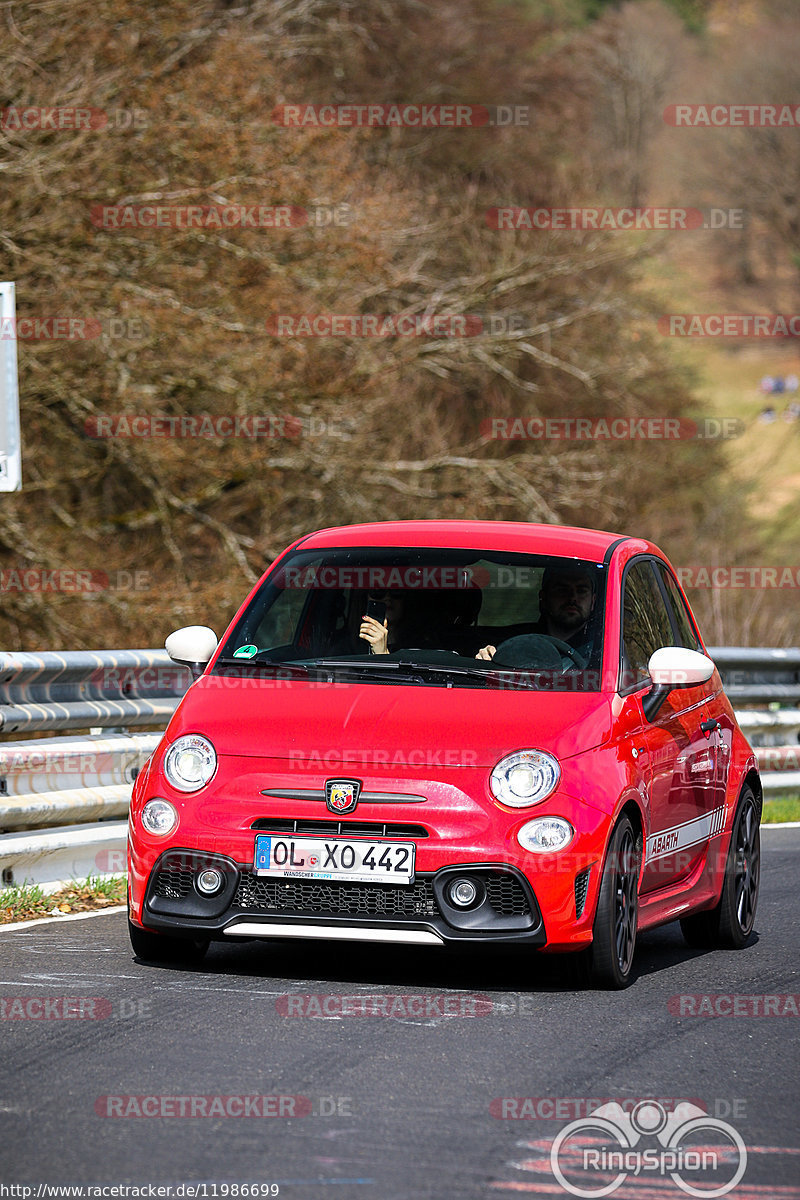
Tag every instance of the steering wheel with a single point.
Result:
(538, 651)
(568, 652)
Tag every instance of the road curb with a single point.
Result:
(81, 916)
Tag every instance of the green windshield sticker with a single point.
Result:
(245, 652)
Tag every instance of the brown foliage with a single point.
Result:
(202, 517)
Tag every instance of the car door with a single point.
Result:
(677, 754)
(716, 725)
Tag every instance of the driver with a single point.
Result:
(566, 603)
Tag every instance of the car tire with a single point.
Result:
(161, 948)
(729, 924)
(608, 962)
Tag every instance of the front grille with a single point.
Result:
(581, 888)
(172, 883)
(506, 896)
(369, 829)
(336, 899)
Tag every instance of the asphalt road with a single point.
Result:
(414, 1101)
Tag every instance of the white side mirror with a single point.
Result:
(672, 666)
(192, 646)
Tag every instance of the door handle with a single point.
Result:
(709, 726)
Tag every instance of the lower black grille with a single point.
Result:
(581, 888)
(335, 899)
(506, 896)
(172, 883)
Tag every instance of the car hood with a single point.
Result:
(388, 723)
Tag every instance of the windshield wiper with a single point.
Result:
(489, 673)
(293, 668)
(404, 667)
(381, 665)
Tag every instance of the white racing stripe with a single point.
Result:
(688, 833)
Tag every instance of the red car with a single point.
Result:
(448, 732)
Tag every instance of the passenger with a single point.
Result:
(400, 627)
(417, 620)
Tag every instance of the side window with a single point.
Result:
(686, 633)
(645, 622)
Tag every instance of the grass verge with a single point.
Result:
(783, 808)
(96, 892)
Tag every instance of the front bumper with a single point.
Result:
(247, 906)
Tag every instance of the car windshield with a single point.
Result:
(454, 618)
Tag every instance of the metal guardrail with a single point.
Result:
(63, 799)
(759, 675)
(82, 689)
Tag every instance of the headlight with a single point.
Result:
(190, 762)
(159, 817)
(525, 778)
(545, 835)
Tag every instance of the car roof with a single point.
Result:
(518, 536)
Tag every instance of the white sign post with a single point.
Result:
(10, 457)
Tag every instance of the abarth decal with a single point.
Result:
(689, 833)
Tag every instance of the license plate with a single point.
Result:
(334, 858)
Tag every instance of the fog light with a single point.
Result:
(159, 817)
(545, 835)
(210, 881)
(463, 893)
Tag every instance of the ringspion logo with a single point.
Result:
(596, 1154)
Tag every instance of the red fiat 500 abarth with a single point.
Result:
(443, 732)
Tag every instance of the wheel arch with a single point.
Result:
(753, 780)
